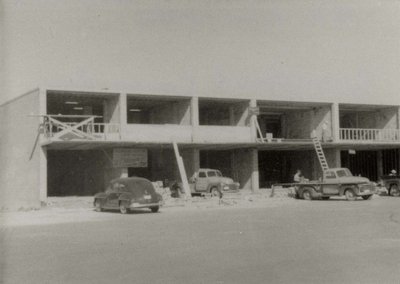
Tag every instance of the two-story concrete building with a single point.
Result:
(137, 76)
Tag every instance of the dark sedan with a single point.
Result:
(124, 194)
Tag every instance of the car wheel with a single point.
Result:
(325, 197)
(155, 209)
(97, 206)
(349, 193)
(123, 208)
(367, 197)
(307, 194)
(215, 192)
(394, 190)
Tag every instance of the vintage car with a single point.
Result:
(336, 182)
(124, 194)
(207, 181)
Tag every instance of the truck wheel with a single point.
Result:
(97, 206)
(307, 194)
(155, 209)
(394, 190)
(215, 192)
(349, 193)
(367, 197)
(123, 208)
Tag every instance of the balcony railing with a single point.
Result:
(367, 134)
(56, 129)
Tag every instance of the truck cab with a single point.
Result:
(336, 182)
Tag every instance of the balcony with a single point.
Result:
(55, 128)
(369, 135)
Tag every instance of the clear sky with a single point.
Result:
(346, 51)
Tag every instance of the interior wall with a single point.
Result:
(298, 125)
(220, 160)
(111, 110)
(363, 163)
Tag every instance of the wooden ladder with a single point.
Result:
(320, 154)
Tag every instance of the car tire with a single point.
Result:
(367, 197)
(215, 192)
(97, 206)
(307, 194)
(123, 208)
(394, 190)
(155, 209)
(350, 195)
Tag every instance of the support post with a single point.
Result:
(123, 114)
(253, 121)
(255, 182)
(335, 122)
(379, 158)
(182, 172)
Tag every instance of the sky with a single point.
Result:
(345, 51)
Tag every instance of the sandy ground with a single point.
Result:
(80, 208)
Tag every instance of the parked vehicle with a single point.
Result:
(124, 194)
(207, 181)
(392, 184)
(336, 182)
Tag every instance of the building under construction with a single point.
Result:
(129, 93)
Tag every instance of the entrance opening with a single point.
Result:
(363, 163)
(75, 172)
(280, 166)
(219, 160)
(391, 160)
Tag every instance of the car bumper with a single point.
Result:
(145, 205)
(233, 186)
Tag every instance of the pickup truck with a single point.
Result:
(336, 182)
(207, 181)
(392, 184)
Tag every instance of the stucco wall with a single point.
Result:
(19, 175)
(290, 50)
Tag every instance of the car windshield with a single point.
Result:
(344, 173)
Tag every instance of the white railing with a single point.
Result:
(368, 134)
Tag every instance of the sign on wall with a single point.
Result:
(129, 158)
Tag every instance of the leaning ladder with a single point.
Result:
(320, 154)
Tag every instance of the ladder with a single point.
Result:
(320, 153)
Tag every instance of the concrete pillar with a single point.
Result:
(333, 158)
(42, 151)
(398, 118)
(194, 111)
(255, 179)
(379, 160)
(232, 116)
(253, 119)
(42, 174)
(123, 113)
(124, 172)
(335, 122)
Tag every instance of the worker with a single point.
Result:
(298, 176)
(393, 173)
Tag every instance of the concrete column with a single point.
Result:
(253, 118)
(123, 113)
(335, 122)
(379, 160)
(255, 179)
(42, 174)
(398, 118)
(124, 172)
(42, 151)
(194, 111)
